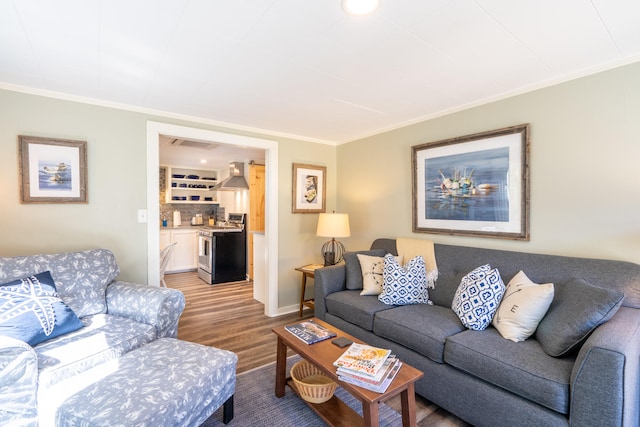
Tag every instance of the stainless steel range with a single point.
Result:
(222, 251)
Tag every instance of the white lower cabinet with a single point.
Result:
(185, 255)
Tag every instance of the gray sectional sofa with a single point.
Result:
(486, 379)
(105, 354)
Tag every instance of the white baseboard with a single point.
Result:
(295, 308)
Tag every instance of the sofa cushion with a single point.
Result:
(523, 306)
(81, 277)
(478, 297)
(421, 327)
(353, 278)
(355, 308)
(406, 284)
(103, 338)
(522, 368)
(31, 311)
(577, 309)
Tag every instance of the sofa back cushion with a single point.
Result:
(81, 277)
(577, 309)
(456, 261)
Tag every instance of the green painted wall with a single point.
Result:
(585, 196)
(585, 153)
(116, 146)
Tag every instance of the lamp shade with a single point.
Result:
(333, 225)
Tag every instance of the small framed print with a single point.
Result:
(52, 170)
(308, 194)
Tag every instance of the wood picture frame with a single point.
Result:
(52, 170)
(474, 185)
(309, 188)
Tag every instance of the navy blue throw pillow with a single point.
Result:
(31, 311)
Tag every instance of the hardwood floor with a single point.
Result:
(226, 316)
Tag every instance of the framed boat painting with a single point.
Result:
(474, 185)
(308, 195)
(52, 170)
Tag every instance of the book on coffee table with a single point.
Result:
(377, 386)
(310, 331)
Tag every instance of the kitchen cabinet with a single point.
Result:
(185, 255)
(190, 186)
(256, 208)
(259, 267)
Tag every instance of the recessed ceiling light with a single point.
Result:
(359, 7)
(203, 161)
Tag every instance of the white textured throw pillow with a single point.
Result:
(523, 306)
(478, 297)
(372, 268)
(404, 285)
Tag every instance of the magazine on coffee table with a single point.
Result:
(375, 379)
(310, 331)
(363, 359)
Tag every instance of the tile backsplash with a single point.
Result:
(187, 210)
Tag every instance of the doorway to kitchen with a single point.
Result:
(154, 132)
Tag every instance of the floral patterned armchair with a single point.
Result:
(116, 317)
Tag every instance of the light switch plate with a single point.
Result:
(142, 215)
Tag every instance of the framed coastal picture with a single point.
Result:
(474, 185)
(308, 194)
(52, 170)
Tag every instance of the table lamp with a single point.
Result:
(333, 225)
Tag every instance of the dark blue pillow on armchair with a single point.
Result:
(31, 311)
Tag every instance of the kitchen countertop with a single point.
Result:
(197, 227)
(182, 227)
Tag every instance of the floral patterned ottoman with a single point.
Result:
(165, 383)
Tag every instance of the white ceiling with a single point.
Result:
(303, 68)
(209, 155)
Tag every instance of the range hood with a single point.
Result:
(235, 181)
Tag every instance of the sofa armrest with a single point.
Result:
(160, 307)
(605, 377)
(18, 383)
(326, 281)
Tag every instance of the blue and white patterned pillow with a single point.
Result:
(404, 285)
(31, 311)
(478, 297)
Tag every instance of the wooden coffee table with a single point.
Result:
(335, 412)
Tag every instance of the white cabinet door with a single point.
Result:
(165, 239)
(185, 255)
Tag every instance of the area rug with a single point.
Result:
(256, 404)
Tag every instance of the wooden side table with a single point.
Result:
(307, 271)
